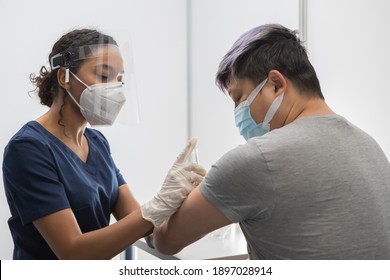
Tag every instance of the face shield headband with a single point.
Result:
(66, 59)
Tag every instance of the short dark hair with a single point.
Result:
(265, 48)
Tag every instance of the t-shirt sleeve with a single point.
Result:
(31, 180)
(239, 184)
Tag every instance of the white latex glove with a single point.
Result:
(181, 179)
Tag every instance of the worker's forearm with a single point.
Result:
(108, 242)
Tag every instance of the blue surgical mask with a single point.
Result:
(244, 121)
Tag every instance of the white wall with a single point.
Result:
(349, 45)
(28, 29)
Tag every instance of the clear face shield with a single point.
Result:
(107, 72)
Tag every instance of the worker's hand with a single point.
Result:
(181, 179)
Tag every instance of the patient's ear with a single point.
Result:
(278, 81)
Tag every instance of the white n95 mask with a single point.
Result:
(100, 103)
(244, 121)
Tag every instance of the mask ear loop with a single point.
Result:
(272, 109)
(67, 71)
(255, 92)
(67, 76)
(251, 96)
(78, 79)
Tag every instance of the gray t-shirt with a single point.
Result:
(318, 188)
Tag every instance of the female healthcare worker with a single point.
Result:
(60, 180)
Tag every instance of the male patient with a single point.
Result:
(308, 184)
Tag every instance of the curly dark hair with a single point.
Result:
(46, 83)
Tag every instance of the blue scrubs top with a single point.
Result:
(42, 176)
